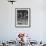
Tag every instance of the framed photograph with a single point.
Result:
(22, 17)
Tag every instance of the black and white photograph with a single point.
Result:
(22, 17)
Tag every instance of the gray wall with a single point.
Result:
(8, 31)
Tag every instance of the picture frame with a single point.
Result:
(22, 17)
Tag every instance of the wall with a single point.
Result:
(8, 31)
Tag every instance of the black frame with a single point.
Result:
(28, 17)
